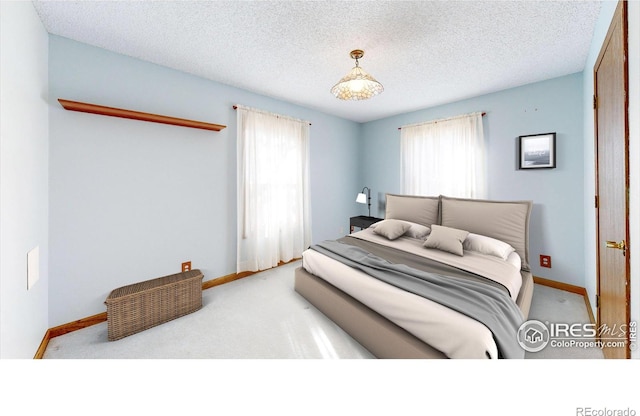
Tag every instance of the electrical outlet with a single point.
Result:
(545, 261)
(186, 266)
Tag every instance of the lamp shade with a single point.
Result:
(357, 84)
(362, 198)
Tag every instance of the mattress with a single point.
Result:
(453, 333)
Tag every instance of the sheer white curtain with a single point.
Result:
(444, 157)
(274, 214)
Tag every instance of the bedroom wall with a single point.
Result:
(132, 200)
(548, 106)
(23, 178)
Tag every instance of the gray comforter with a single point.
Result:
(457, 290)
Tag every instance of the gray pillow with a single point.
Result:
(416, 231)
(419, 209)
(391, 229)
(446, 239)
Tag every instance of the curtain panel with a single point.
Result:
(274, 214)
(444, 157)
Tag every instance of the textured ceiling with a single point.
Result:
(425, 53)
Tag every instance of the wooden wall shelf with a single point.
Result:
(137, 115)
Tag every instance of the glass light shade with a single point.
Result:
(357, 85)
(362, 198)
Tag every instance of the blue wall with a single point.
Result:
(132, 200)
(549, 106)
(24, 180)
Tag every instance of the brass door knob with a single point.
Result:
(620, 246)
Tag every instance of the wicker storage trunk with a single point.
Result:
(140, 306)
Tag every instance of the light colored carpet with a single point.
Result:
(560, 307)
(262, 317)
(257, 317)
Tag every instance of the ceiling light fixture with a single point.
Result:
(357, 84)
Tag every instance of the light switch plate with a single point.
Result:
(33, 267)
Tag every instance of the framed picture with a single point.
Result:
(537, 151)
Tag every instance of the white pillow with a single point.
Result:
(418, 231)
(515, 260)
(487, 245)
(391, 229)
(446, 239)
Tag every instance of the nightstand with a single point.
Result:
(362, 221)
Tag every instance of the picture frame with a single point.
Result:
(537, 151)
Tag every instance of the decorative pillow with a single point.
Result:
(416, 231)
(487, 245)
(446, 239)
(391, 229)
(422, 210)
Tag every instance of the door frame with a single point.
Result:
(619, 16)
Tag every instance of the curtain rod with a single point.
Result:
(483, 114)
(235, 107)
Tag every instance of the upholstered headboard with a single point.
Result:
(419, 209)
(506, 221)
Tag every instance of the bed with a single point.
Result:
(440, 277)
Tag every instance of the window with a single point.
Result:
(444, 157)
(274, 221)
